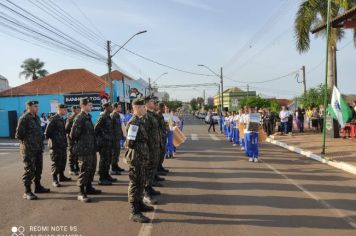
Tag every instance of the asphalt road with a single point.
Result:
(212, 190)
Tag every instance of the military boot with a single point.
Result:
(158, 178)
(82, 195)
(111, 179)
(40, 189)
(91, 190)
(63, 178)
(103, 181)
(137, 216)
(55, 182)
(145, 208)
(28, 195)
(153, 192)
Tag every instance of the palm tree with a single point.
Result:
(312, 13)
(33, 68)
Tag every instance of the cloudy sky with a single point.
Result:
(252, 40)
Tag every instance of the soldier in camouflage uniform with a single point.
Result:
(29, 133)
(151, 125)
(137, 156)
(57, 144)
(84, 147)
(73, 159)
(164, 128)
(104, 135)
(118, 135)
(160, 131)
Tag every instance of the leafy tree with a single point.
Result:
(312, 13)
(174, 105)
(194, 104)
(314, 97)
(255, 101)
(33, 68)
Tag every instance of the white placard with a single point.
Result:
(131, 135)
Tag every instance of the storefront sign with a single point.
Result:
(74, 99)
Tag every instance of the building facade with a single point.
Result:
(232, 98)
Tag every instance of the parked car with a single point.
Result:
(215, 118)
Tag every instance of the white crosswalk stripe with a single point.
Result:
(214, 137)
(194, 137)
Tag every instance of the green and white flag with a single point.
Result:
(339, 109)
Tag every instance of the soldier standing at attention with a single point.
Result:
(73, 159)
(164, 128)
(118, 136)
(151, 126)
(160, 131)
(30, 135)
(104, 134)
(57, 144)
(84, 148)
(137, 156)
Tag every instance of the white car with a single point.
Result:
(215, 118)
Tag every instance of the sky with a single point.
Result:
(251, 40)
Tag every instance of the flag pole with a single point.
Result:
(326, 74)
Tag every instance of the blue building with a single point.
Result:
(66, 86)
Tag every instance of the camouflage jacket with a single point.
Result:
(116, 122)
(104, 132)
(83, 135)
(152, 127)
(56, 133)
(29, 133)
(69, 125)
(137, 149)
(163, 126)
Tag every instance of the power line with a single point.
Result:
(47, 27)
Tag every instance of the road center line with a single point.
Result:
(146, 229)
(194, 137)
(325, 204)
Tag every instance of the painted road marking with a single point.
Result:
(194, 137)
(4, 153)
(325, 204)
(146, 229)
(214, 137)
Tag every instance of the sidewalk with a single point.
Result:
(340, 153)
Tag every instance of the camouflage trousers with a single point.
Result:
(87, 167)
(151, 167)
(105, 161)
(72, 160)
(115, 153)
(136, 182)
(33, 165)
(59, 160)
(162, 152)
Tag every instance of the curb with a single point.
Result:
(336, 164)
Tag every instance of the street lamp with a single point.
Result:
(149, 81)
(221, 84)
(111, 56)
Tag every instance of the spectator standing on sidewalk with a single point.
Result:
(44, 122)
(284, 116)
(309, 114)
(300, 118)
(315, 119)
(321, 117)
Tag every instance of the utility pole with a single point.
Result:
(109, 78)
(123, 93)
(304, 82)
(149, 86)
(248, 90)
(204, 97)
(222, 88)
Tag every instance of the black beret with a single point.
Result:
(107, 104)
(116, 104)
(148, 98)
(138, 102)
(84, 101)
(30, 103)
(75, 107)
(62, 106)
(161, 105)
